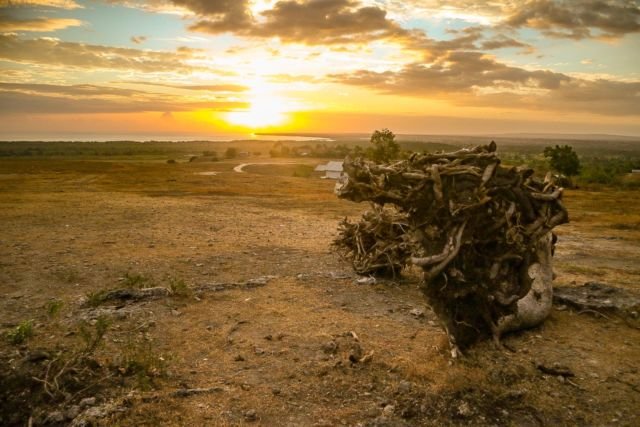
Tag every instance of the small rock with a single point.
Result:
(330, 347)
(87, 401)
(276, 391)
(366, 281)
(388, 410)
(55, 417)
(175, 312)
(404, 387)
(73, 412)
(417, 312)
(239, 358)
(250, 415)
(464, 410)
(259, 350)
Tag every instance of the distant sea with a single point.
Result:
(147, 138)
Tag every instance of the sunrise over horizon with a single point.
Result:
(141, 68)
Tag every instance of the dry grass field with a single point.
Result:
(306, 345)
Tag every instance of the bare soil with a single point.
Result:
(310, 346)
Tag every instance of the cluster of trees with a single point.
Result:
(383, 148)
(321, 150)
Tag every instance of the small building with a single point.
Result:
(332, 170)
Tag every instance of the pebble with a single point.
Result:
(404, 387)
(330, 347)
(251, 415)
(73, 412)
(87, 401)
(416, 312)
(366, 281)
(388, 410)
(55, 417)
(464, 410)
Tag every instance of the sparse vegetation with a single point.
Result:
(53, 307)
(92, 336)
(179, 288)
(231, 153)
(21, 333)
(303, 171)
(135, 280)
(95, 298)
(141, 360)
(247, 342)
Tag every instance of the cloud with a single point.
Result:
(138, 39)
(77, 99)
(54, 52)
(311, 22)
(60, 4)
(219, 15)
(10, 24)
(457, 72)
(211, 88)
(577, 19)
(471, 78)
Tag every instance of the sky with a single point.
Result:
(198, 68)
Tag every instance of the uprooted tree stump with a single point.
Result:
(480, 232)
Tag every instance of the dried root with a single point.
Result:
(480, 232)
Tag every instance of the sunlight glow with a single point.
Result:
(266, 108)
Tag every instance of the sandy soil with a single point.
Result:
(310, 346)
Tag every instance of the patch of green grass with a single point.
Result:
(92, 335)
(179, 288)
(53, 307)
(134, 280)
(21, 332)
(141, 361)
(96, 298)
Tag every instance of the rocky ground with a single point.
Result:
(255, 320)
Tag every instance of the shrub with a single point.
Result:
(53, 307)
(135, 280)
(231, 153)
(178, 287)
(21, 332)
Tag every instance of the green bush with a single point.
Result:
(21, 332)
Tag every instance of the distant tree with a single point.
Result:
(385, 147)
(563, 159)
(231, 153)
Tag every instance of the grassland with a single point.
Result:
(78, 223)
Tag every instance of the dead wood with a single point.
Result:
(479, 231)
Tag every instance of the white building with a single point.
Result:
(332, 170)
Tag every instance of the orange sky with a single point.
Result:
(198, 68)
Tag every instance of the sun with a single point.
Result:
(261, 113)
(266, 109)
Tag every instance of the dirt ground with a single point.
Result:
(307, 346)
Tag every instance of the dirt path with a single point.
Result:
(240, 167)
